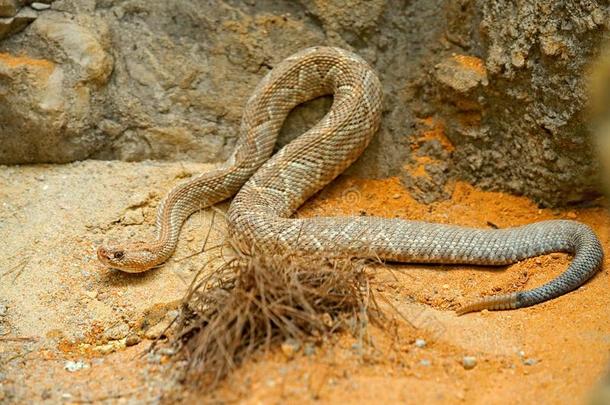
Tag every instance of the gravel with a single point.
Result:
(132, 340)
(116, 332)
(469, 362)
(290, 347)
(73, 366)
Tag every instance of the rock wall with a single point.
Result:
(486, 91)
(526, 131)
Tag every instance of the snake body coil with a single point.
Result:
(269, 190)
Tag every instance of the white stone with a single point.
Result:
(73, 366)
(40, 6)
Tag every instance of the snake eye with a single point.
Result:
(118, 255)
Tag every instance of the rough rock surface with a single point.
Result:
(142, 79)
(15, 15)
(525, 130)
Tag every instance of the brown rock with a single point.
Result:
(8, 8)
(461, 72)
(132, 340)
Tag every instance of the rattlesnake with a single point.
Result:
(269, 190)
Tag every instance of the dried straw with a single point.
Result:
(256, 300)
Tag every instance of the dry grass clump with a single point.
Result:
(254, 301)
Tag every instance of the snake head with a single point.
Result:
(133, 258)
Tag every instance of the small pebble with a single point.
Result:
(290, 347)
(425, 362)
(396, 196)
(469, 362)
(421, 343)
(530, 362)
(571, 215)
(160, 329)
(327, 319)
(132, 340)
(40, 6)
(167, 351)
(173, 314)
(118, 12)
(309, 349)
(91, 294)
(107, 348)
(153, 358)
(72, 366)
(3, 310)
(133, 217)
(116, 332)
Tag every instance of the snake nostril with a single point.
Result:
(102, 253)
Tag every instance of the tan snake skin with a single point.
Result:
(271, 189)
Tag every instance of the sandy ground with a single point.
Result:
(72, 331)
